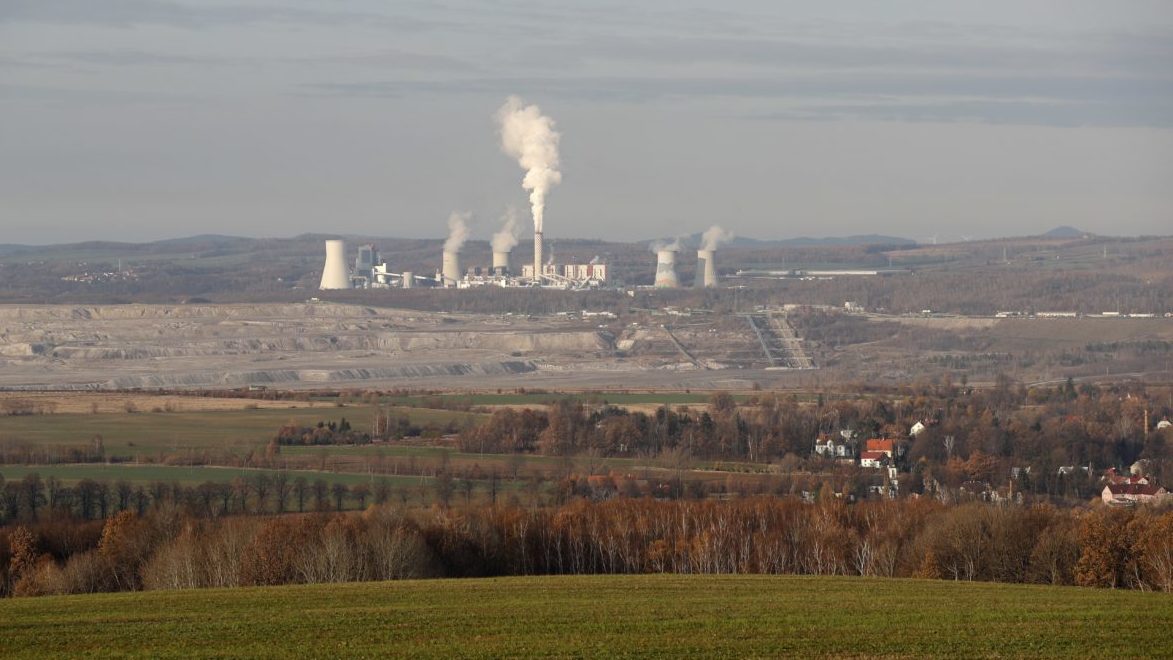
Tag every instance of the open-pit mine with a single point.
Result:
(327, 344)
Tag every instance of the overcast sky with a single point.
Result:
(145, 119)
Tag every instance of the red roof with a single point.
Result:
(1133, 489)
(873, 455)
(878, 444)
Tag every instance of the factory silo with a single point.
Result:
(666, 270)
(706, 269)
(408, 279)
(334, 273)
(450, 268)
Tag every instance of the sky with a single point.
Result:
(146, 119)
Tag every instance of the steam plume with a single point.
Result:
(673, 245)
(506, 238)
(715, 236)
(457, 230)
(529, 136)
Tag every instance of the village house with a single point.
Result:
(1131, 494)
(888, 447)
(838, 445)
(1114, 478)
(874, 459)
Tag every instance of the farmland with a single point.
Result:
(651, 615)
(187, 475)
(128, 434)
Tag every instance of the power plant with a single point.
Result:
(666, 269)
(334, 273)
(571, 276)
(370, 273)
(501, 263)
(706, 269)
(529, 138)
(450, 269)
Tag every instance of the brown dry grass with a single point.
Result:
(104, 402)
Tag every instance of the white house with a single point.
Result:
(1132, 493)
(873, 459)
(831, 446)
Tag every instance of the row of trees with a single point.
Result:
(1007, 426)
(33, 498)
(1117, 548)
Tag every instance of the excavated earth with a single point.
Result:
(326, 344)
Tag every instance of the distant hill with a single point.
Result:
(806, 241)
(1065, 231)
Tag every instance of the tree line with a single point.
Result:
(969, 434)
(1102, 547)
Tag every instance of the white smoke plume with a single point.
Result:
(715, 236)
(673, 245)
(458, 230)
(529, 136)
(506, 238)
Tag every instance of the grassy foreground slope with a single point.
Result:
(599, 616)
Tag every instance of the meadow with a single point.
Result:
(598, 616)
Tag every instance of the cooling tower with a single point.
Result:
(500, 263)
(450, 270)
(666, 270)
(537, 255)
(706, 269)
(408, 279)
(334, 273)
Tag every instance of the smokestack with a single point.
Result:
(706, 269)
(408, 279)
(529, 136)
(450, 269)
(334, 273)
(500, 262)
(666, 270)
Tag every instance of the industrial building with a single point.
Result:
(369, 272)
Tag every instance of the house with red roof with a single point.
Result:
(1116, 479)
(1131, 494)
(874, 459)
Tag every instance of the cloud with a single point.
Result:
(982, 97)
(124, 13)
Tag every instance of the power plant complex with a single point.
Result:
(528, 137)
(367, 274)
(371, 273)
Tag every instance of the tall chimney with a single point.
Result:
(706, 269)
(666, 270)
(450, 269)
(334, 273)
(500, 263)
(538, 254)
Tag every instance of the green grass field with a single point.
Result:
(599, 616)
(128, 434)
